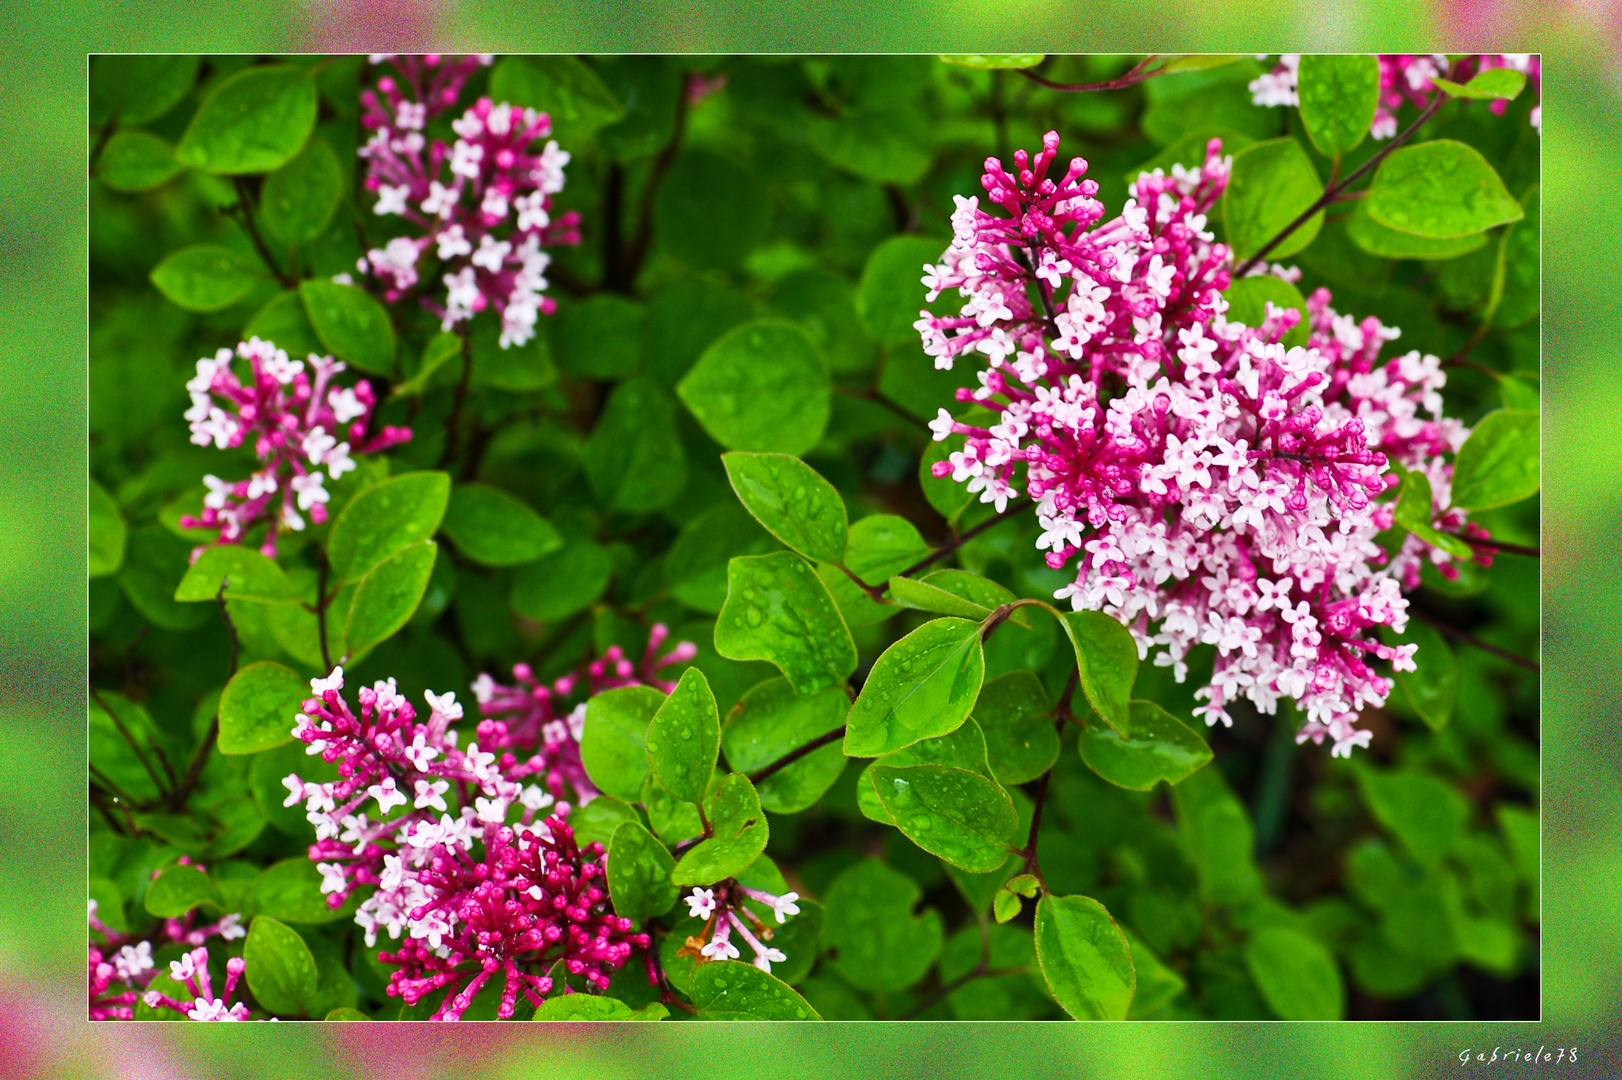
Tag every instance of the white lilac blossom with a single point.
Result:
(481, 207)
(1406, 77)
(298, 422)
(724, 912)
(191, 970)
(121, 964)
(1212, 485)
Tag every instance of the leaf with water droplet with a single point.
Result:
(1157, 747)
(612, 745)
(638, 872)
(922, 686)
(1084, 957)
(874, 940)
(762, 386)
(797, 626)
(739, 833)
(1107, 659)
(771, 721)
(1015, 714)
(734, 990)
(792, 501)
(684, 737)
(952, 813)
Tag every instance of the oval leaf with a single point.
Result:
(1016, 717)
(247, 575)
(290, 890)
(762, 386)
(1377, 239)
(634, 458)
(738, 835)
(136, 161)
(281, 972)
(179, 889)
(384, 519)
(684, 738)
(562, 583)
(1084, 958)
(778, 610)
(734, 990)
(612, 746)
(595, 1008)
(494, 528)
(793, 502)
(1339, 94)
(353, 325)
(254, 121)
(107, 533)
(639, 869)
(204, 277)
(1273, 183)
(1156, 747)
(1499, 463)
(386, 597)
(922, 686)
(298, 199)
(1107, 658)
(259, 708)
(1441, 188)
(1296, 975)
(953, 814)
(1248, 299)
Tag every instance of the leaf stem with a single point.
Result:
(963, 538)
(1139, 72)
(321, 612)
(1335, 189)
(1495, 545)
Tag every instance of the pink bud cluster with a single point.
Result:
(481, 205)
(534, 899)
(191, 970)
(131, 966)
(531, 714)
(433, 800)
(723, 911)
(297, 427)
(1406, 78)
(1212, 485)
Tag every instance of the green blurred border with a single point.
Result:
(42, 606)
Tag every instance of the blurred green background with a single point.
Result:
(42, 606)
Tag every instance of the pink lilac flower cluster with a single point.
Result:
(1406, 78)
(414, 771)
(723, 911)
(298, 422)
(531, 714)
(191, 970)
(1213, 485)
(482, 205)
(120, 964)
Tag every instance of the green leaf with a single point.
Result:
(1414, 510)
(204, 277)
(1296, 975)
(562, 583)
(952, 813)
(1218, 837)
(179, 889)
(1424, 812)
(1441, 189)
(1107, 658)
(259, 708)
(298, 199)
(1200, 62)
(136, 161)
(137, 88)
(639, 870)
(1016, 717)
(386, 597)
(1005, 906)
(595, 1008)
(695, 569)
(1156, 747)
(1339, 94)
(710, 212)
(684, 738)
(879, 546)
(281, 972)
(792, 501)
(290, 890)
(825, 304)
(600, 337)
(154, 563)
(734, 990)
(947, 496)
(283, 321)
(345, 1015)
(873, 939)
(1084, 958)
(107, 533)
(1273, 183)
(994, 61)
(493, 528)
(1499, 463)
(1248, 299)
(612, 746)
(887, 145)
(739, 833)
(980, 591)
(352, 324)
(778, 610)
(673, 820)
(248, 576)
(923, 596)
(1522, 262)
(1157, 984)
(891, 291)
(634, 458)
(1376, 239)
(922, 686)
(386, 518)
(761, 386)
(1494, 84)
(252, 122)
(595, 822)
(441, 349)
(770, 722)
(562, 86)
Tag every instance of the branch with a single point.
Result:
(321, 612)
(102, 139)
(453, 426)
(1335, 189)
(245, 207)
(1473, 641)
(1139, 72)
(797, 753)
(1494, 545)
(177, 797)
(879, 399)
(638, 251)
(125, 732)
(963, 538)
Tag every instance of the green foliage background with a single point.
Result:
(44, 412)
